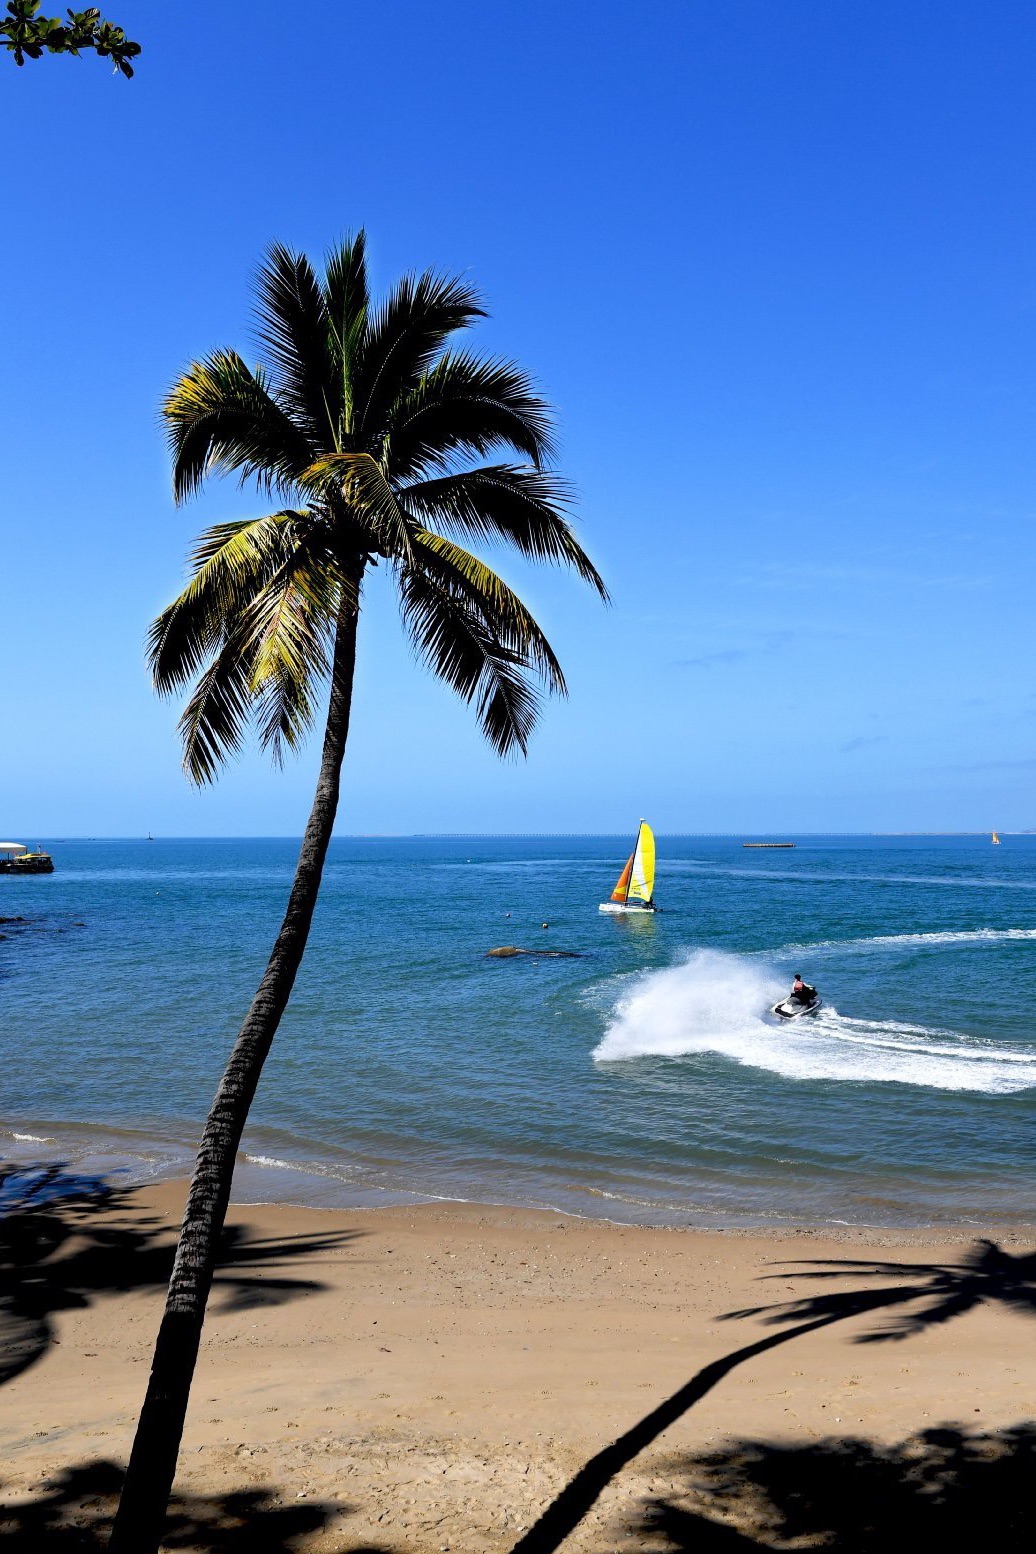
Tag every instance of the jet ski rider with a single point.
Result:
(801, 992)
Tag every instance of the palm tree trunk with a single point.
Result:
(152, 1465)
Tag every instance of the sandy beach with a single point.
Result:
(432, 1377)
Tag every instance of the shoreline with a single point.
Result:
(432, 1375)
(262, 1181)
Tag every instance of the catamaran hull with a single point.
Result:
(629, 908)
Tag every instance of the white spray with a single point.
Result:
(718, 1003)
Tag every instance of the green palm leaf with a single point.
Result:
(466, 579)
(222, 419)
(288, 624)
(403, 339)
(233, 562)
(296, 332)
(289, 630)
(356, 483)
(348, 305)
(505, 501)
(458, 644)
(466, 406)
(212, 726)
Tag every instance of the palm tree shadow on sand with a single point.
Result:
(921, 1295)
(72, 1514)
(948, 1489)
(68, 1240)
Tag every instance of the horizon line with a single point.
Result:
(373, 836)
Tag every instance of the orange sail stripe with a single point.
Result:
(621, 890)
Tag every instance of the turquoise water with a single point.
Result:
(642, 1081)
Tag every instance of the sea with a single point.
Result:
(639, 1078)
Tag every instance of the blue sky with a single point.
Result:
(774, 264)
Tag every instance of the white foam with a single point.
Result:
(716, 1003)
(949, 936)
(302, 1167)
(31, 1138)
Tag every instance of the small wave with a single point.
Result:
(766, 876)
(947, 936)
(332, 1173)
(714, 1002)
(32, 1138)
(273, 1162)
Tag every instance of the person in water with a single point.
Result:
(801, 992)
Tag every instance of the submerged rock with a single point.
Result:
(505, 951)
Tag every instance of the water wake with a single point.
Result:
(920, 940)
(717, 1003)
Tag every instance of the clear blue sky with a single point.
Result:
(776, 265)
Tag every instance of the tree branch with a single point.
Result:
(26, 35)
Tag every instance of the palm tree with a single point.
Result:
(367, 424)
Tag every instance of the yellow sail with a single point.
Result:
(642, 877)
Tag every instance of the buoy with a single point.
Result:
(544, 925)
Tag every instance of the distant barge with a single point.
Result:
(767, 844)
(15, 858)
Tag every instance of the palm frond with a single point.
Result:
(366, 496)
(212, 726)
(348, 305)
(471, 582)
(295, 332)
(221, 418)
(513, 502)
(288, 625)
(284, 714)
(403, 339)
(451, 630)
(467, 405)
(232, 563)
(289, 631)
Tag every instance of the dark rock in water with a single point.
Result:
(12, 919)
(506, 951)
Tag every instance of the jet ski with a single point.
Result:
(791, 1009)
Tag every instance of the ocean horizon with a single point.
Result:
(641, 1080)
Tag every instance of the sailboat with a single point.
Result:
(996, 840)
(633, 888)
